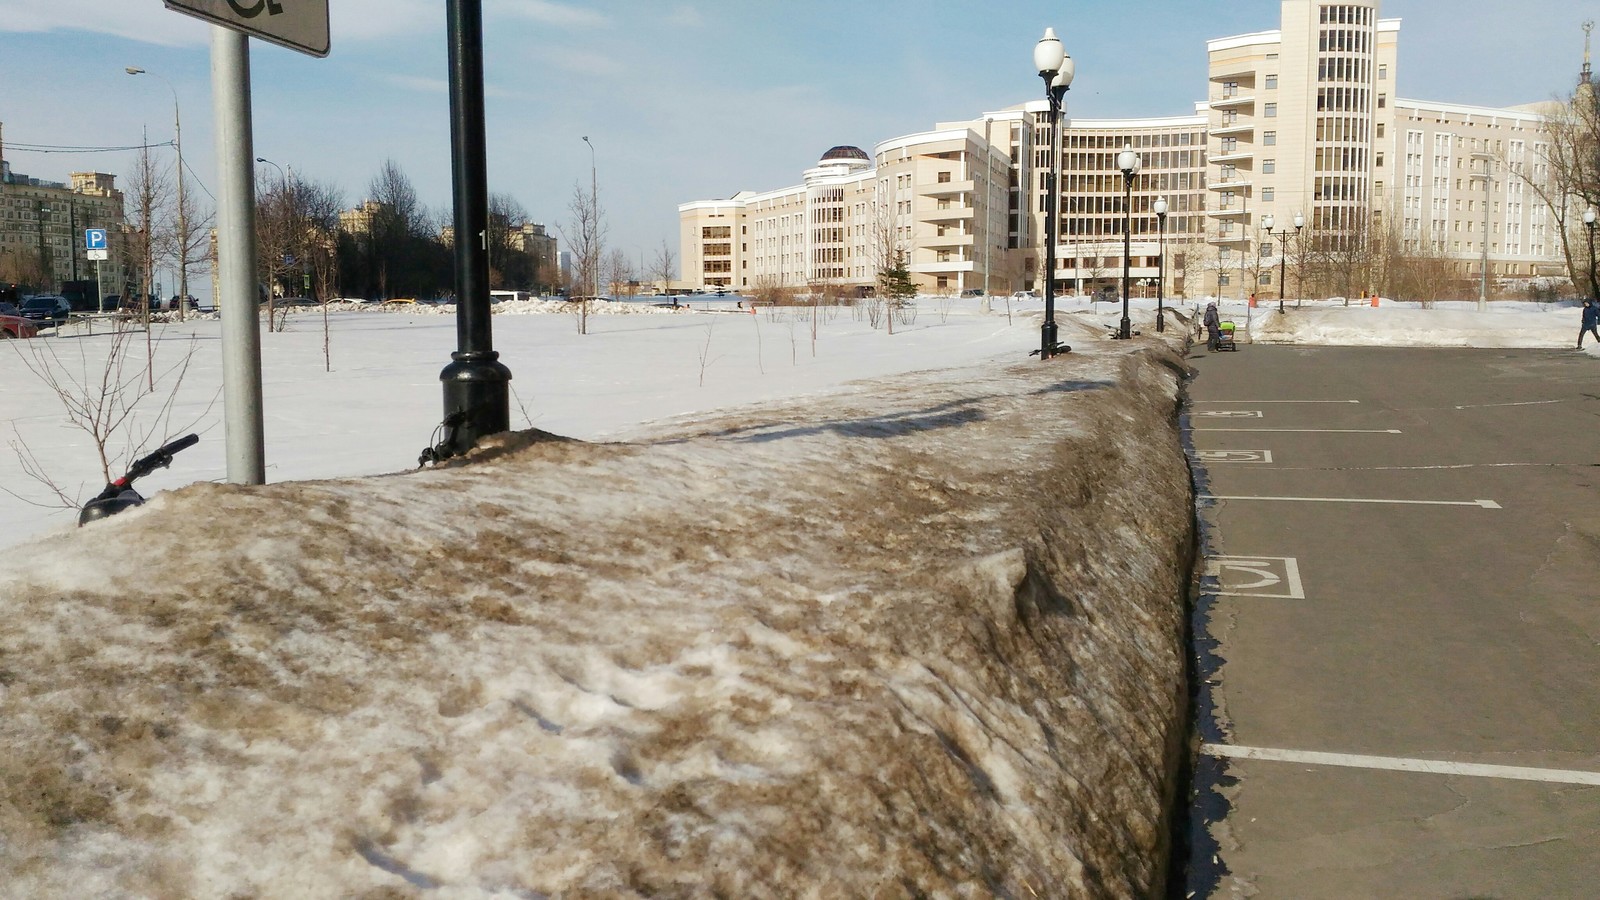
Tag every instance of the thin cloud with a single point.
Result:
(547, 13)
(686, 17)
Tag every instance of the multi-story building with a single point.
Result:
(1299, 123)
(42, 225)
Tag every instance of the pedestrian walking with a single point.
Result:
(1213, 323)
(1591, 321)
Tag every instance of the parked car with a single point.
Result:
(15, 326)
(51, 308)
(972, 292)
(1025, 295)
(10, 294)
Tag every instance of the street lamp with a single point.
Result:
(593, 239)
(1160, 208)
(1128, 162)
(1588, 223)
(46, 268)
(1056, 68)
(1283, 249)
(1488, 182)
(183, 212)
(288, 201)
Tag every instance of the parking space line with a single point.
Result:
(1484, 504)
(1275, 401)
(1313, 430)
(1403, 764)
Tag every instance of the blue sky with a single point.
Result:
(682, 100)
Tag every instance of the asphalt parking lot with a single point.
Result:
(1399, 627)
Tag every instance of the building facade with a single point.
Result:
(1300, 123)
(42, 224)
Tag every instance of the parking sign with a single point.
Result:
(94, 239)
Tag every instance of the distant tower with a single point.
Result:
(1586, 77)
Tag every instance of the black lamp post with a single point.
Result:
(1594, 281)
(476, 384)
(1283, 250)
(1056, 68)
(1128, 162)
(1160, 207)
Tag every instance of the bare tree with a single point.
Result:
(619, 275)
(664, 266)
(1564, 173)
(114, 402)
(585, 235)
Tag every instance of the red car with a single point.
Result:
(13, 325)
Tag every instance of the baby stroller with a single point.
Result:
(1223, 339)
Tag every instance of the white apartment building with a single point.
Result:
(1300, 121)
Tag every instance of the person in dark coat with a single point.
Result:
(1213, 323)
(1591, 320)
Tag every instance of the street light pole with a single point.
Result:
(476, 384)
(1160, 207)
(1594, 281)
(183, 211)
(288, 201)
(593, 238)
(1299, 242)
(1488, 182)
(1128, 162)
(1056, 68)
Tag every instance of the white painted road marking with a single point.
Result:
(1280, 572)
(1403, 764)
(1237, 456)
(1522, 403)
(1230, 414)
(1275, 401)
(1486, 504)
(1313, 430)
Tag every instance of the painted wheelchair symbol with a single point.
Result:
(1257, 576)
(1234, 456)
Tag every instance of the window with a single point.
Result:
(1272, 82)
(1269, 139)
(1383, 100)
(944, 177)
(1380, 129)
(1383, 73)
(1377, 160)
(1267, 194)
(1272, 110)
(1269, 166)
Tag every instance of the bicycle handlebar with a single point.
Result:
(160, 459)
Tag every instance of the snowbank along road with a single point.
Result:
(920, 636)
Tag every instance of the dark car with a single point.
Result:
(10, 294)
(47, 308)
(9, 309)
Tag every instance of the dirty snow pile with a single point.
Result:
(1503, 324)
(915, 636)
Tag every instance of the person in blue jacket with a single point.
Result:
(1591, 319)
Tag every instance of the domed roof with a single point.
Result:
(844, 152)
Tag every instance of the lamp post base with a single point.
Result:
(1125, 329)
(477, 400)
(1161, 322)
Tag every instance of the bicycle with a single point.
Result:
(119, 495)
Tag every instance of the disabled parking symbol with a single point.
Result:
(1274, 577)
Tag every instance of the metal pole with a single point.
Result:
(1161, 272)
(1483, 276)
(236, 257)
(1283, 265)
(1594, 284)
(1047, 332)
(476, 384)
(593, 239)
(1126, 326)
(183, 212)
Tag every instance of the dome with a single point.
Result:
(842, 152)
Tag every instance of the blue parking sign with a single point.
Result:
(94, 239)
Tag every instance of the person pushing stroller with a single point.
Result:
(1213, 325)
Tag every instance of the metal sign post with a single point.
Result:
(300, 25)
